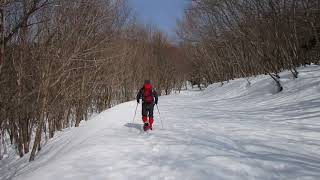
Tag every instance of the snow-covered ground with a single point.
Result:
(229, 132)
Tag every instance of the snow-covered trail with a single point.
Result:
(229, 132)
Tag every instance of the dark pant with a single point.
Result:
(147, 110)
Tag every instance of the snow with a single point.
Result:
(230, 132)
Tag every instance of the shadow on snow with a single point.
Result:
(134, 126)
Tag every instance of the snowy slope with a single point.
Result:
(229, 132)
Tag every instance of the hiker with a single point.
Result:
(149, 98)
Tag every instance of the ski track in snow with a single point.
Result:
(228, 132)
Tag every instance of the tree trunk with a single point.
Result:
(1, 156)
(18, 141)
(37, 139)
(66, 117)
(294, 72)
(2, 35)
(78, 114)
(51, 127)
(4, 144)
(276, 79)
(26, 137)
(11, 132)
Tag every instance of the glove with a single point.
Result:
(156, 102)
(138, 101)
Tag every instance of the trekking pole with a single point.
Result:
(135, 112)
(159, 116)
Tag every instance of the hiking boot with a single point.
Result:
(145, 126)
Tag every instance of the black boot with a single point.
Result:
(145, 126)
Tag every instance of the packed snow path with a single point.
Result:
(229, 132)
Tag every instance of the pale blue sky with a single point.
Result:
(162, 13)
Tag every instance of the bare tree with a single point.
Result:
(244, 38)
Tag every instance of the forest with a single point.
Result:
(63, 60)
(227, 39)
